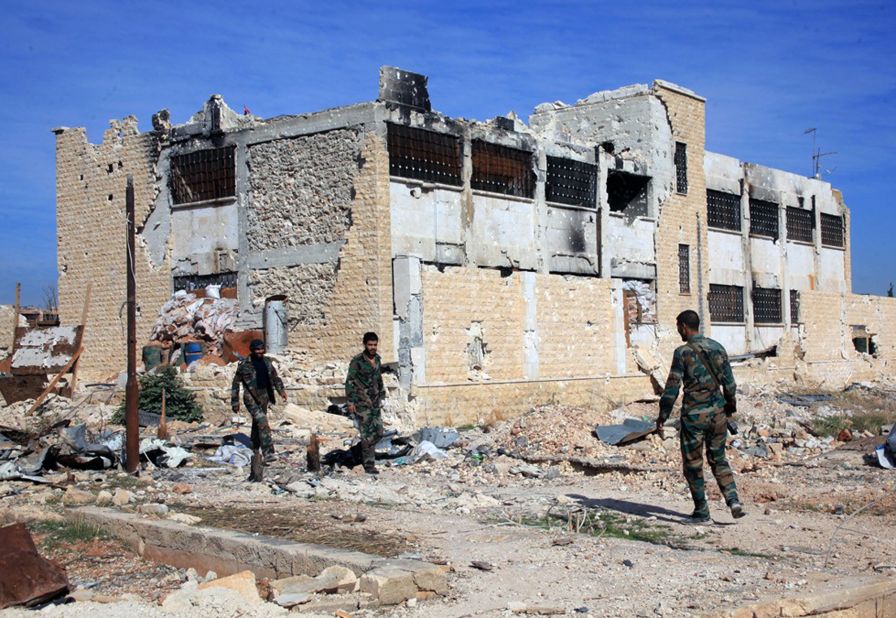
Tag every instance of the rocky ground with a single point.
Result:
(532, 516)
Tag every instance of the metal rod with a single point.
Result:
(132, 389)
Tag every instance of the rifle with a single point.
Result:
(729, 423)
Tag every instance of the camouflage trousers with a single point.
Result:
(261, 428)
(370, 425)
(699, 429)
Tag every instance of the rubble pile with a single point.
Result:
(188, 318)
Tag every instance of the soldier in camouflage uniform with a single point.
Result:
(702, 366)
(259, 380)
(365, 392)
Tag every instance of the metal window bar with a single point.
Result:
(571, 182)
(767, 306)
(203, 175)
(198, 282)
(424, 155)
(831, 230)
(800, 224)
(763, 218)
(794, 306)
(500, 169)
(726, 303)
(681, 167)
(684, 269)
(723, 210)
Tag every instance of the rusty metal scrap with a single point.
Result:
(28, 578)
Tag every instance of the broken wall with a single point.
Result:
(318, 231)
(90, 223)
(682, 218)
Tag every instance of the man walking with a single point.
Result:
(365, 392)
(702, 366)
(259, 380)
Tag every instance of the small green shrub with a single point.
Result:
(180, 404)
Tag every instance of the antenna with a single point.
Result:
(817, 154)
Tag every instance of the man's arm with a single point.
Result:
(235, 391)
(729, 388)
(277, 382)
(670, 393)
(355, 389)
(381, 389)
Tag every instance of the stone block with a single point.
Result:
(389, 585)
(76, 497)
(242, 583)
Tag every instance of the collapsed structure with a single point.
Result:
(502, 264)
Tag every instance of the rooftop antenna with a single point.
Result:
(817, 154)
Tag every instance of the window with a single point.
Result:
(726, 303)
(800, 224)
(794, 306)
(723, 210)
(681, 168)
(571, 182)
(684, 269)
(763, 218)
(190, 283)
(424, 155)
(500, 169)
(627, 193)
(203, 175)
(767, 306)
(831, 230)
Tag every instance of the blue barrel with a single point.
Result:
(192, 352)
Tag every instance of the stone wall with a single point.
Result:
(682, 219)
(90, 223)
(319, 190)
(302, 189)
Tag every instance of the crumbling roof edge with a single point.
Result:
(676, 88)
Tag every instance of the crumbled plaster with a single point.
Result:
(308, 288)
(302, 189)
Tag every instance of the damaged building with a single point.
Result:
(503, 264)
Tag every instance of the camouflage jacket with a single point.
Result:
(700, 389)
(364, 383)
(245, 376)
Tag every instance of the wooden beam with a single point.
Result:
(52, 384)
(74, 380)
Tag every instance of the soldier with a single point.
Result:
(259, 378)
(702, 364)
(365, 392)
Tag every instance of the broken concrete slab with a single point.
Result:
(242, 583)
(300, 567)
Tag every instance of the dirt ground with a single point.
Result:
(555, 521)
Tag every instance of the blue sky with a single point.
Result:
(769, 70)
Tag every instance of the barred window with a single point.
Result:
(571, 182)
(203, 175)
(794, 306)
(723, 210)
(763, 218)
(800, 224)
(190, 283)
(681, 167)
(684, 269)
(726, 303)
(767, 306)
(831, 230)
(424, 155)
(500, 169)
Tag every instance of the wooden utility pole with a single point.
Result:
(132, 389)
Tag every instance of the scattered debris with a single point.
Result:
(629, 431)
